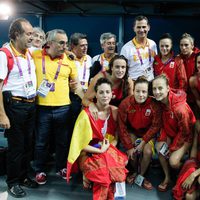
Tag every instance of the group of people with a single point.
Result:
(108, 114)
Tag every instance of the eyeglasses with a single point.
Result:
(61, 42)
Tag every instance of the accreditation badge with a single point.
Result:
(44, 88)
(29, 89)
(148, 112)
(139, 180)
(164, 149)
(171, 65)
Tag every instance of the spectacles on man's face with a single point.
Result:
(61, 43)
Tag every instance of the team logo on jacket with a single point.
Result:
(132, 111)
(148, 112)
(171, 65)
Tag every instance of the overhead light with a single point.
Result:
(5, 11)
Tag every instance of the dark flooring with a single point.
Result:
(56, 188)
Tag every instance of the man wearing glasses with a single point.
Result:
(54, 69)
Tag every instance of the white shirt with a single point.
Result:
(83, 67)
(15, 82)
(140, 59)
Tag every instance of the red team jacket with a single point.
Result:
(178, 120)
(189, 63)
(174, 69)
(143, 120)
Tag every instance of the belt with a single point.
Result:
(23, 99)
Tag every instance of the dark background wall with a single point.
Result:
(94, 26)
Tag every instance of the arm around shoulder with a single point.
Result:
(130, 86)
(90, 93)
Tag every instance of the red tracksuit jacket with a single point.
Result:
(143, 120)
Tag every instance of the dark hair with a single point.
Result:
(140, 18)
(166, 36)
(101, 81)
(141, 79)
(75, 37)
(125, 78)
(16, 27)
(162, 76)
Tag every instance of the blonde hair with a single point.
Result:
(162, 76)
(187, 36)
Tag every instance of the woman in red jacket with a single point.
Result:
(118, 76)
(188, 53)
(188, 182)
(177, 130)
(166, 63)
(195, 85)
(139, 120)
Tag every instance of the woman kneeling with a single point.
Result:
(93, 143)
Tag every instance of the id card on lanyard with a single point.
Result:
(46, 86)
(140, 57)
(148, 69)
(28, 83)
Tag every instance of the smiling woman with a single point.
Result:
(118, 76)
(94, 148)
(142, 114)
(166, 63)
(176, 133)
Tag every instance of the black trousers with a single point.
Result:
(19, 136)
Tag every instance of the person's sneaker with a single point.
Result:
(62, 173)
(16, 191)
(41, 178)
(27, 182)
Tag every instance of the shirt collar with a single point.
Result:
(81, 60)
(44, 52)
(17, 53)
(104, 58)
(138, 46)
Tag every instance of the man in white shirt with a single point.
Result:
(79, 46)
(140, 51)
(17, 105)
(108, 44)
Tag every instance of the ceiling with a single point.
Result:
(108, 7)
